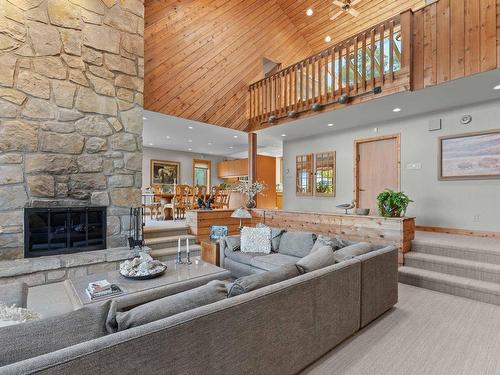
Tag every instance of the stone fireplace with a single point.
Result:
(71, 84)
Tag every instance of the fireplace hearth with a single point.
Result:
(51, 231)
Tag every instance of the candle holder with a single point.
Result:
(188, 258)
(178, 260)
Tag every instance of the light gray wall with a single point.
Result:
(186, 160)
(437, 203)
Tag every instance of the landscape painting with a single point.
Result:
(470, 156)
(164, 173)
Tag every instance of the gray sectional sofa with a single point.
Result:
(276, 329)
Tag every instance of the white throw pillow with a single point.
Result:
(256, 240)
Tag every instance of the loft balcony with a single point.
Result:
(442, 41)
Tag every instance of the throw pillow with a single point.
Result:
(335, 242)
(297, 244)
(352, 251)
(37, 337)
(164, 307)
(323, 257)
(256, 240)
(275, 236)
(259, 280)
(233, 243)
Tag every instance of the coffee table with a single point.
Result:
(177, 278)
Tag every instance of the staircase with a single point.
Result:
(460, 265)
(163, 242)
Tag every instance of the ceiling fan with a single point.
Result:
(346, 6)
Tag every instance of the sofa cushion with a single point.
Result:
(32, 339)
(252, 282)
(273, 261)
(334, 242)
(233, 243)
(213, 291)
(352, 251)
(256, 240)
(14, 294)
(323, 257)
(276, 234)
(297, 244)
(244, 258)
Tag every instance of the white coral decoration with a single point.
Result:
(17, 314)
(143, 265)
(250, 189)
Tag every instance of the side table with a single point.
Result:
(210, 252)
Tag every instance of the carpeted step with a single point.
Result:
(466, 248)
(169, 241)
(454, 266)
(170, 253)
(459, 286)
(161, 231)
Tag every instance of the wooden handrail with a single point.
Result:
(353, 66)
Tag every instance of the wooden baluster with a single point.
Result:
(363, 61)
(328, 56)
(320, 73)
(372, 58)
(275, 99)
(270, 99)
(391, 51)
(307, 80)
(313, 79)
(250, 110)
(301, 87)
(356, 65)
(332, 68)
(382, 57)
(340, 69)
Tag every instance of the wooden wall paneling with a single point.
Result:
(430, 45)
(266, 173)
(472, 37)
(488, 32)
(418, 54)
(498, 33)
(457, 33)
(443, 41)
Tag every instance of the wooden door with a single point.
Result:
(377, 168)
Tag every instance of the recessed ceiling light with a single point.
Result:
(230, 146)
(190, 149)
(309, 12)
(144, 118)
(235, 136)
(497, 87)
(190, 127)
(190, 140)
(330, 125)
(151, 144)
(168, 137)
(396, 110)
(328, 38)
(283, 135)
(210, 143)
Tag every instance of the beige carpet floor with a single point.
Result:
(425, 333)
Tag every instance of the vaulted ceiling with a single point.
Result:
(201, 55)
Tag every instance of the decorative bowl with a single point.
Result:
(362, 211)
(146, 277)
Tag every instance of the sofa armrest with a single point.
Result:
(222, 248)
(379, 282)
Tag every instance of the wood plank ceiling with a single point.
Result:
(201, 55)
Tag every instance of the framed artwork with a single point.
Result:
(165, 172)
(217, 232)
(471, 156)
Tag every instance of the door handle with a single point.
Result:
(361, 189)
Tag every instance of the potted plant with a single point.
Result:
(250, 190)
(392, 203)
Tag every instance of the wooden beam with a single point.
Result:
(252, 157)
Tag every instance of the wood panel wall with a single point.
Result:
(201, 55)
(453, 39)
(315, 28)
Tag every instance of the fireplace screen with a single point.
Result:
(50, 231)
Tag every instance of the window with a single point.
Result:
(304, 170)
(325, 174)
(201, 173)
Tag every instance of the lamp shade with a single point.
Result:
(241, 213)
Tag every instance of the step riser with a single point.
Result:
(469, 254)
(164, 258)
(450, 269)
(165, 233)
(449, 289)
(174, 243)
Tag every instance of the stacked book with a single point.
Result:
(102, 289)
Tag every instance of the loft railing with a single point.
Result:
(365, 63)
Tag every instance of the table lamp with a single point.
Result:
(241, 213)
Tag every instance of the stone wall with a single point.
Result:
(71, 84)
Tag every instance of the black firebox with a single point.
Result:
(49, 231)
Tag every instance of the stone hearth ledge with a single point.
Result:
(56, 268)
